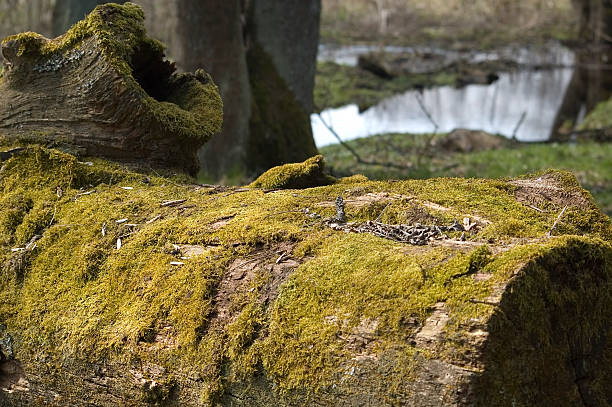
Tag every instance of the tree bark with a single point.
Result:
(211, 35)
(283, 39)
(105, 89)
(248, 47)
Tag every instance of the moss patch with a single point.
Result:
(295, 176)
(341, 294)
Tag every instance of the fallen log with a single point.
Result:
(250, 297)
(104, 89)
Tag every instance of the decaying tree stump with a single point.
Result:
(105, 88)
(123, 288)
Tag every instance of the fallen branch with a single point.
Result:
(419, 99)
(355, 154)
(518, 125)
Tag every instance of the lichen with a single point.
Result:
(80, 298)
(307, 174)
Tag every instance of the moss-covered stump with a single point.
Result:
(123, 288)
(105, 88)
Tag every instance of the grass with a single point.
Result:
(591, 162)
(481, 22)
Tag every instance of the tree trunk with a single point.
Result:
(591, 82)
(283, 39)
(263, 56)
(69, 12)
(211, 35)
(105, 89)
(217, 296)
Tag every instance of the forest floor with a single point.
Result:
(404, 156)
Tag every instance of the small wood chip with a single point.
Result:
(85, 193)
(535, 208)
(121, 220)
(127, 188)
(177, 263)
(153, 219)
(118, 243)
(173, 203)
(554, 226)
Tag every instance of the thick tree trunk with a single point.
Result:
(105, 89)
(69, 12)
(288, 32)
(283, 40)
(211, 35)
(214, 296)
(591, 82)
(263, 56)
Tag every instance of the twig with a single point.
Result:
(554, 226)
(535, 208)
(54, 212)
(173, 203)
(382, 212)
(355, 154)
(153, 219)
(424, 109)
(518, 125)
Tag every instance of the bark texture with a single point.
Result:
(105, 89)
(211, 35)
(181, 295)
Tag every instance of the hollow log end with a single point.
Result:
(105, 88)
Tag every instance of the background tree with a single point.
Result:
(262, 54)
(68, 12)
(591, 82)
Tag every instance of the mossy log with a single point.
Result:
(127, 288)
(105, 89)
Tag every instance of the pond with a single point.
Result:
(523, 103)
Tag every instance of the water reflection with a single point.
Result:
(495, 108)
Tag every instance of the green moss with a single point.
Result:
(307, 174)
(194, 110)
(82, 298)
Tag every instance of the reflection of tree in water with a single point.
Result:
(592, 79)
